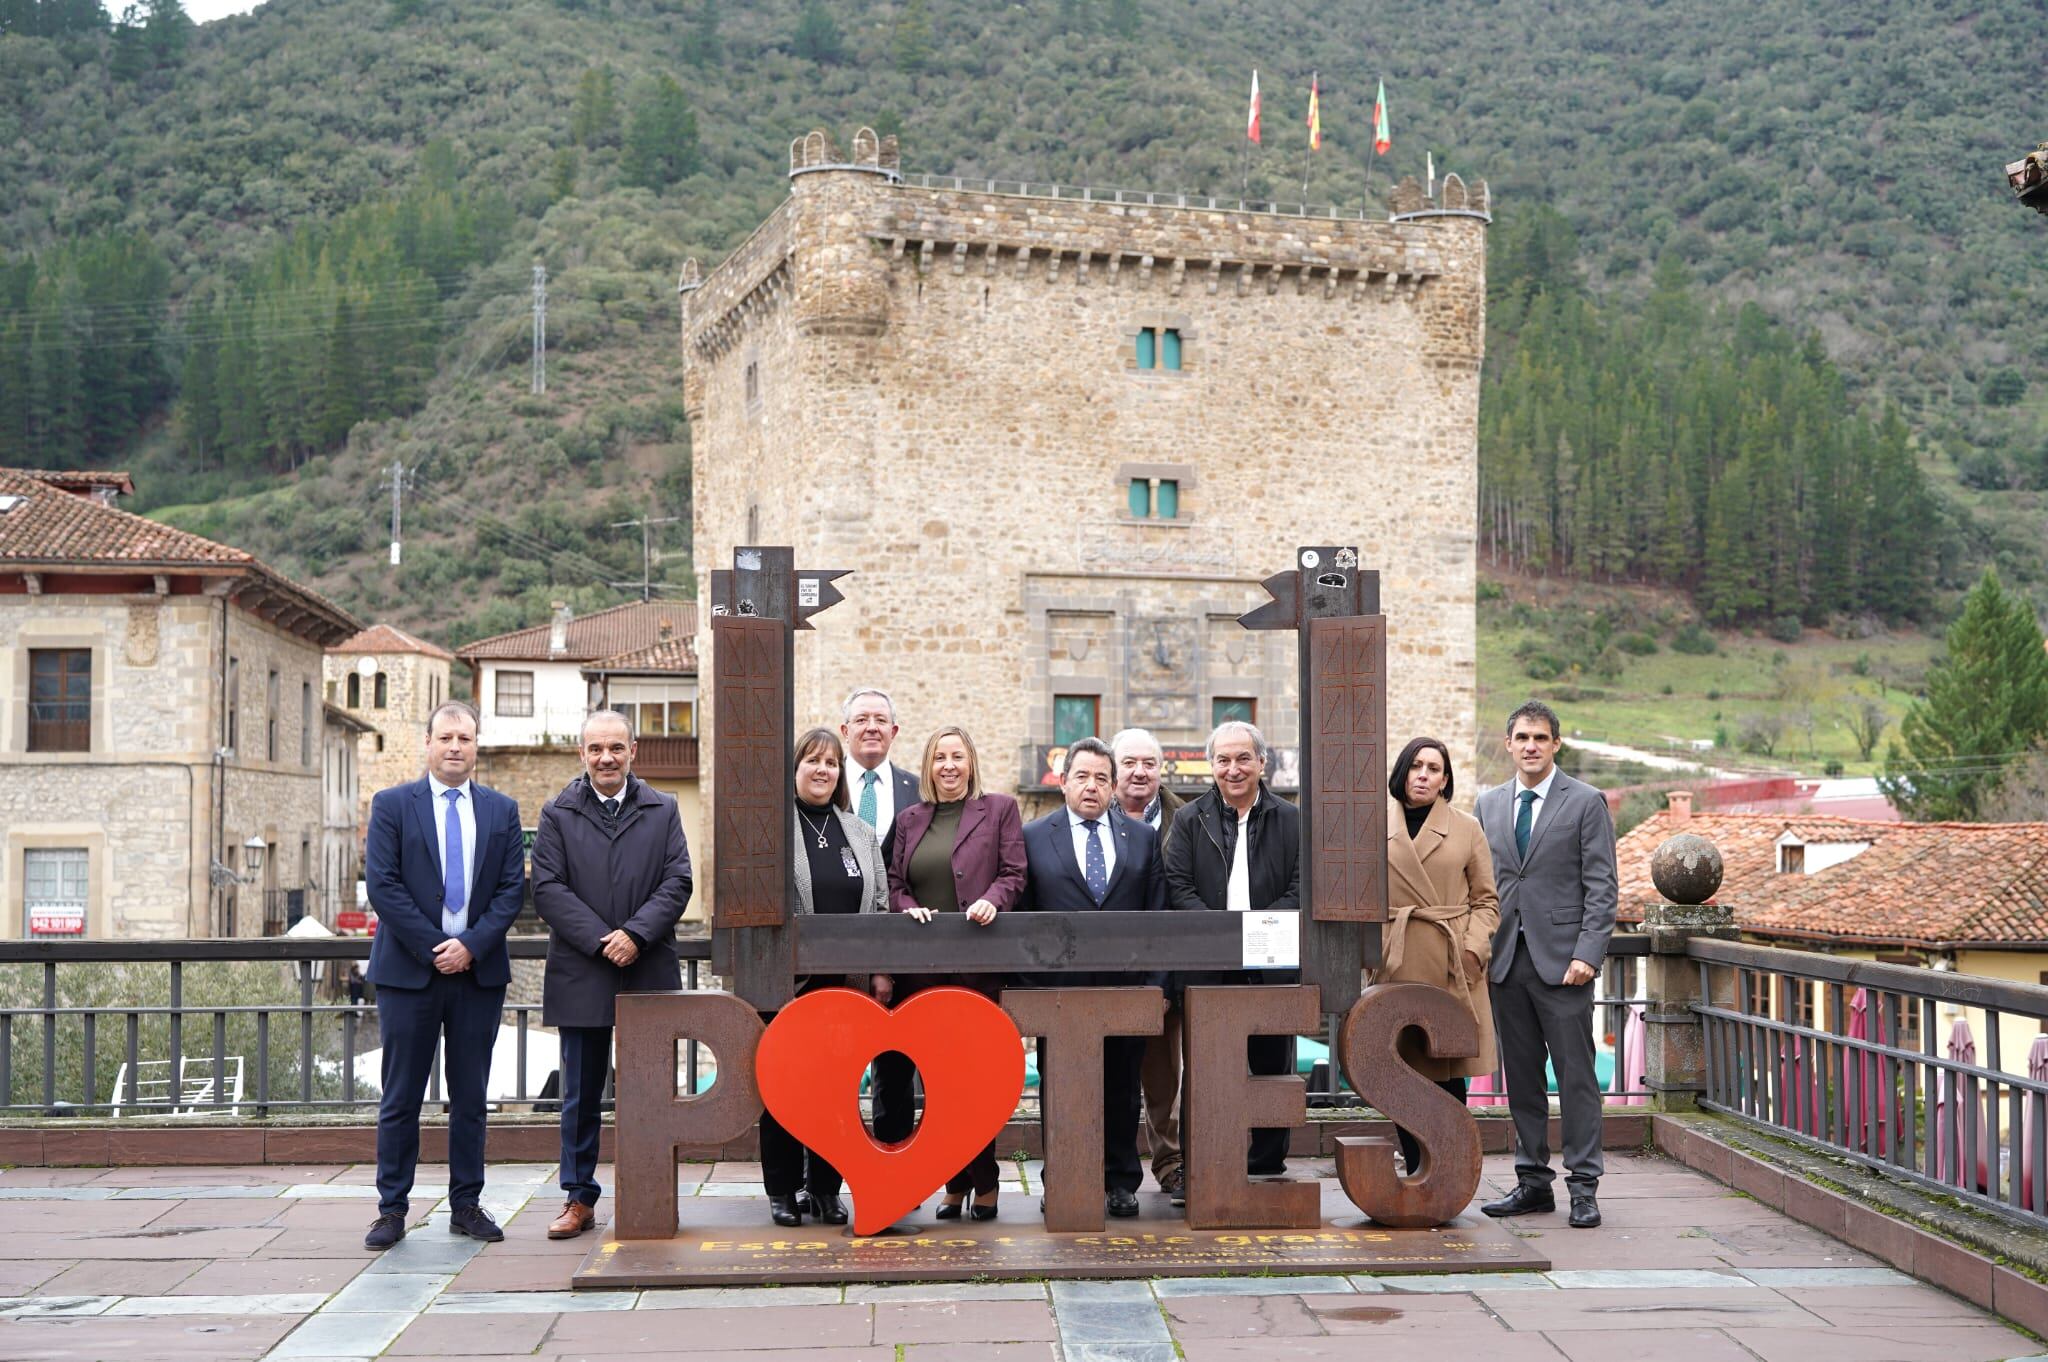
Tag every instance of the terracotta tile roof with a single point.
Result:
(81, 480)
(387, 638)
(677, 653)
(54, 527)
(1918, 884)
(608, 633)
(46, 529)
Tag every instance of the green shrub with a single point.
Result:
(1636, 645)
(1694, 641)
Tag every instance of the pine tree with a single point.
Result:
(661, 142)
(910, 45)
(817, 36)
(594, 119)
(1986, 703)
(166, 32)
(703, 46)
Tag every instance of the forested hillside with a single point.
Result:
(262, 260)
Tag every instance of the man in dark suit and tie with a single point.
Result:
(879, 789)
(1553, 859)
(1088, 856)
(445, 867)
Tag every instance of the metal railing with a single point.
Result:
(1141, 198)
(299, 1053)
(1844, 1054)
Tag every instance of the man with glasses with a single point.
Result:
(1142, 794)
(880, 791)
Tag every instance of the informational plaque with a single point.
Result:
(1272, 940)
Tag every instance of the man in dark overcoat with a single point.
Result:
(611, 875)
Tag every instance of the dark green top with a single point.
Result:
(931, 861)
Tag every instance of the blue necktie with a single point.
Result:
(454, 870)
(1097, 872)
(1524, 816)
(868, 813)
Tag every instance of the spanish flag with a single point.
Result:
(1251, 127)
(1382, 137)
(1315, 114)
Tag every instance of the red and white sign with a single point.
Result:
(350, 920)
(56, 920)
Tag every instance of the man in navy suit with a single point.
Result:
(1091, 857)
(445, 866)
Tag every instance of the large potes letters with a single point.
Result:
(808, 1063)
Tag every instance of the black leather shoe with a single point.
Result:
(949, 1210)
(385, 1231)
(1120, 1204)
(1585, 1211)
(784, 1211)
(1524, 1200)
(829, 1209)
(475, 1222)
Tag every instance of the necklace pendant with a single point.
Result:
(821, 840)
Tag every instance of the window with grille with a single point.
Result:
(60, 700)
(515, 695)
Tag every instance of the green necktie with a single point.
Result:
(1524, 816)
(868, 812)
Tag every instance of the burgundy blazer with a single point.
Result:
(988, 853)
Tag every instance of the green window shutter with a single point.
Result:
(1141, 498)
(1231, 710)
(1169, 499)
(1169, 349)
(1073, 718)
(1145, 348)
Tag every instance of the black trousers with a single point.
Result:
(896, 1100)
(1269, 1056)
(1123, 1059)
(787, 1166)
(1411, 1151)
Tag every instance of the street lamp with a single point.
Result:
(252, 857)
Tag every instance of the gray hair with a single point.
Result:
(453, 707)
(846, 710)
(614, 715)
(1239, 728)
(1131, 735)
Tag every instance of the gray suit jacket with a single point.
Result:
(874, 895)
(1561, 898)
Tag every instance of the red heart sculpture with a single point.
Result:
(966, 1049)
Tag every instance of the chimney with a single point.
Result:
(1681, 805)
(668, 631)
(558, 632)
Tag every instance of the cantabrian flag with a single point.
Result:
(1382, 139)
(1251, 127)
(1315, 114)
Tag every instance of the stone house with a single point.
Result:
(161, 733)
(389, 681)
(1060, 437)
(344, 818)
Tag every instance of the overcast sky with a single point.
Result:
(203, 10)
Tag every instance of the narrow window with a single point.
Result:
(270, 716)
(234, 704)
(383, 693)
(1074, 717)
(1169, 348)
(60, 700)
(1169, 497)
(1147, 348)
(354, 692)
(1141, 498)
(305, 723)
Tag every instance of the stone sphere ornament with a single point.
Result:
(1686, 868)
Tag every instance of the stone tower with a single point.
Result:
(392, 681)
(1060, 435)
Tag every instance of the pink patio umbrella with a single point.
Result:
(1956, 1098)
(2037, 1069)
(1483, 1091)
(1867, 1107)
(1632, 1072)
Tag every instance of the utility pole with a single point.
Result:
(646, 582)
(540, 327)
(398, 480)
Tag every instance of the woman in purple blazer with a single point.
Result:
(958, 851)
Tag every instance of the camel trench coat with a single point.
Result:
(1442, 903)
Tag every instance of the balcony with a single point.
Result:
(666, 758)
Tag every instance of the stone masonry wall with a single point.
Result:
(948, 404)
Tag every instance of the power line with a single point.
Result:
(540, 328)
(646, 582)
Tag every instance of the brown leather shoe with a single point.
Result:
(574, 1219)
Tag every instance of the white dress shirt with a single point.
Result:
(1542, 789)
(1237, 894)
(452, 922)
(885, 795)
(1102, 830)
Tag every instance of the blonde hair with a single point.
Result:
(927, 788)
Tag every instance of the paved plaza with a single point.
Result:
(267, 1262)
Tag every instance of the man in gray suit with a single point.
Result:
(1553, 859)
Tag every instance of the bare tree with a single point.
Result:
(1866, 719)
(2022, 795)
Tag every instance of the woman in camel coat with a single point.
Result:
(1442, 908)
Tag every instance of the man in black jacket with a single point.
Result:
(611, 875)
(1087, 856)
(1237, 848)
